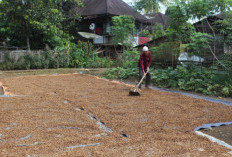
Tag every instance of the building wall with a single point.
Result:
(217, 46)
(105, 22)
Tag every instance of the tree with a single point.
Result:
(157, 31)
(182, 13)
(150, 6)
(123, 27)
(180, 29)
(225, 28)
(36, 20)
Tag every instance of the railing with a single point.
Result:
(108, 39)
(105, 39)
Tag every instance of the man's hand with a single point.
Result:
(144, 73)
(148, 69)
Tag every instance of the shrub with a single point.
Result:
(121, 73)
(197, 79)
(130, 59)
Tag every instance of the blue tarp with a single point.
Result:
(205, 126)
(228, 103)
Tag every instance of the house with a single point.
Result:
(151, 20)
(97, 18)
(218, 46)
(166, 54)
(155, 18)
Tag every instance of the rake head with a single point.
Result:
(134, 92)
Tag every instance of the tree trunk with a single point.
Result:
(214, 42)
(28, 43)
(213, 51)
(28, 38)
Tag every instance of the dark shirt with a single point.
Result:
(144, 60)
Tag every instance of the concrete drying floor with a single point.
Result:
(81, 115)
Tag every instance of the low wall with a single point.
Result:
(15, 54)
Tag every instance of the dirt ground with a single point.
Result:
(82, 115)
(223, 133)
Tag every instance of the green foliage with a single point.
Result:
(195, 79)
(130, 59)
(181, 33)
(127, 69)
(226, 60)
(70, 55)
(166, 53)
(79, 57)
(201, 8)
(121, 73)
(145, 33)
(186, 79)
(44, 60)
(50, 60)
(62, 60)
(149, 6)
(55, 37)
(225, 28)
(34, 23)
(8, 63)
(182, 11)
(197, 42)
(123, 27)
(178, 16)
(205, 8)
(97, 62)
(157, 31)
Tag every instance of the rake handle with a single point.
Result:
(141, 80)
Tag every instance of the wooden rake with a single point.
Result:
(135, 91)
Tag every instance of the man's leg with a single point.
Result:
(140, 76)
(148, 79)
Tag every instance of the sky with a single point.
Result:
(163, 8)
(128, 1)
